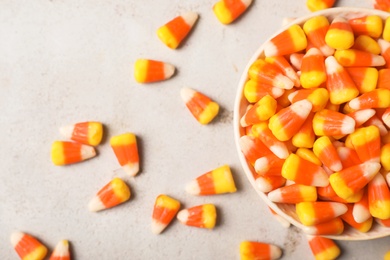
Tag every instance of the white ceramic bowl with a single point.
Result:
(287, 211)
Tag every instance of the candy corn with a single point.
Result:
(308, 155)
(261, 111)
(379, 197)
(315, 29)
(61, 251)
(386, 28)
(27, 246)
(202, 216)
(165, 209)
(229, 10)
(313, 72)
(326, 152)
(386, 117)
(340, 85)
(378, 98)
(385, 51)
(279, 148)
(317, 96)
(367, 44)
(357, 58)
(360, 211)
(305, 137)
(340, 35)
(384, 78)
(367, 143)
(200, 106)
(147, 71)
(287, 122)
(269, 165)
(112, 194)
(63, 153)
(270, 74)
(323, 248)
(304, 172)
(217, 181)
(285, 67)
(362, 116)
(253, 148)
(267, 183)
(348, 157)
(293, 194)
(312, 213)
(89, 133)
(332, 227)
(316, 5)
(332, 123)
(348, 217)
(254, 91)
(371, 25)
(289, 41)
(126, 151)
(174, 32)
(385, 157)
(387, 255)
(250, 250)
(351, 180)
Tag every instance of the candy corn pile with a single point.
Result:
(316, 133)
(316, 123)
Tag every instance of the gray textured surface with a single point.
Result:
(69, 61)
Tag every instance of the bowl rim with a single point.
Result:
(349, 13)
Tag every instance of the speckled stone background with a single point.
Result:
(63, 62)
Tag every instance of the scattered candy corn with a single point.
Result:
(112, 194)
(229, 10)
(165, 209)
(174, 32)
(202, 216)
(63, 152)
(200, 106)
(126, 151)
(61, 251)
(147, 71)
(89, 133)
(251, 250)
(217, 181)
(323, 248)
(27, 246)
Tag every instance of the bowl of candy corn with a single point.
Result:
(312, 120)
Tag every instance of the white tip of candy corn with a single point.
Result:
(16, 237)
(67, 131)
(87, 152)
(61, 249)
(95, 204)
(131, 168)
(169, 70)
(190, 18)
(187, 94)
(193, 188)
(157, 227)
(183, 215)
